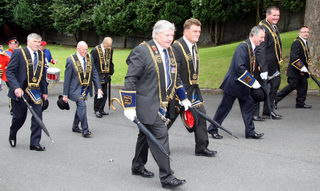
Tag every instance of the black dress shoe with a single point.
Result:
(98, 114)
(216, 135)
(104, 113)
(12, 141)
(37, 148)
(87, 134)
(257, 118)
(272, 115)
(172, 183)
(207, 153)
(305, 106)
(144, 173)
(255, 136)
(76, 130)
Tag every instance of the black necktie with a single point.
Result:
(167, 63)
(35, 60)
(84, 64)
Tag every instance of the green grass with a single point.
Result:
(215, 61)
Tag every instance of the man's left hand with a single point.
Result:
(186, 104)
(45, 96)
(100, 94)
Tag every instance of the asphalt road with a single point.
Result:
(287, 158)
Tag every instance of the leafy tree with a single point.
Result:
(33, 14)
(148, 12)
(6, 13)
(73, 16)
(216, 12)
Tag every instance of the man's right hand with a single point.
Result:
(18, 92)
(130, 114)
(304, 69)
(256, 85)
(65, 99)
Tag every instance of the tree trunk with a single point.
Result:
(216, 33)
(312, 20)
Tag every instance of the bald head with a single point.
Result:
(82, 48)
(107, 42)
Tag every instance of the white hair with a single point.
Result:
(81, 44)
(160, 26)
(33, 36)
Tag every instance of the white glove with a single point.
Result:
(130, 114)
(304, 69)
(99, 96)
(186, 104)
(264, 75)
(256, 85)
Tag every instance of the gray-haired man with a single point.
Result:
(26, 74)
(151, 81)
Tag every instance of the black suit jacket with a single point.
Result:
(104, 77)
(142, 78)
(266, 55)
(297, 52)
(239, 64)
(17, 74)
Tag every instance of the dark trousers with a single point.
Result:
(81, 116)
(225, 106)
(160, 131)
(200, 131)
(20, 110)
(299, 84)
(274, 86)
(98, 104)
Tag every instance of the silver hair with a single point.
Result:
(33, 36)
(81, 43)
(255, 30)
(161, 26)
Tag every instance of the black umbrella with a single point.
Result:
(109, 93)
(150, 136)
(142, 128)
(266, 89)
(37, 118)
(314, 79)
(213, 122)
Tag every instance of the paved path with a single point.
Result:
(287, 158)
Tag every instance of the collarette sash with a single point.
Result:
(193, 75)
(165, 94)
(104, 60)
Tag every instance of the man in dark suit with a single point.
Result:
(298, 70)
(102, 59)
(238, 82)
(187, 56)
(269, 58)
(151, 82)
(79, 76)
(25, 74)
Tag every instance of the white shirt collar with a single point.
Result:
(102, 47)
(189, 44)
(304, 40)
(252, 45)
